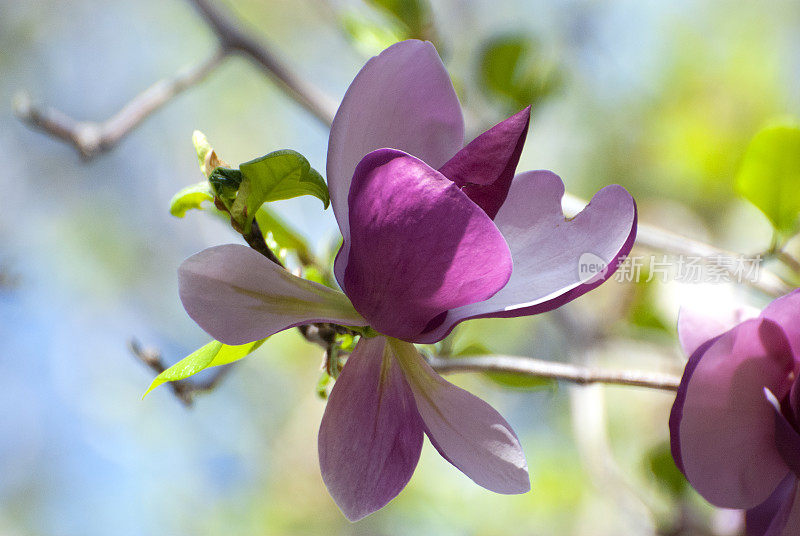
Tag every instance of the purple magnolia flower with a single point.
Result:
(435, 233)
(735, 421)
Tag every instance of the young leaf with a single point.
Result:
(190, 197)
(212, 354)
(770, 174)
(206, 156)
(278, 175)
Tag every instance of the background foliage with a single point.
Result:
(661, 97)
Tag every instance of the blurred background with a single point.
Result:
(661, 97)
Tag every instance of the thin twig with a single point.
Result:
(538, 368)
(234, 38)
(184, 390)
(94, 138)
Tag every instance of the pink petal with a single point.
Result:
(402, 99)
(418, 245)
(696, 324)
(548, 249)
(371, 434)
(485, 167)
(786, 312)
(465, 430)
(722, 427)
(238, 296)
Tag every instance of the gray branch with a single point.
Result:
(537, 368)
(91, 139)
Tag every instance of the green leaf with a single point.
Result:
(201, 146)
(512, 68)
(415, 15)
(212, 354)
(769, 176)
(507, 379)
(284, 236)
(279, 175)
(206, 156)
(191, 197)
(661, 464)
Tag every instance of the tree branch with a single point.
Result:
(91, 138)
(184, 390)
(233, 38)
(537, 368)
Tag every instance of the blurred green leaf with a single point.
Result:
(415, 15)
(643, 311)
(212, 354)
(769, 176)
(279, 175)
(506, 379)
(512, 68)
(191, 197)
(368, 36)
(660, 462)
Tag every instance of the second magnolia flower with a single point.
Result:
(435, 233)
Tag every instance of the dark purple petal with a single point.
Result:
(371, 433)
(465, 430)
(725, 426)
(403, 99)
(785, 311)
(548, 250)
(787, 440)
(418, 246)
(770, 517)
(696, 325)
(485, 167)
(238, 296)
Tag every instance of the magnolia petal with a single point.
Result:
(697, 324)
(770, 517)
(238, 296)
(465, 430)
(784, 311)
(485, 167)
(787, 440)
(402, 98)
(725, 427)
(548, 250)
(787, 522)
(418, 245)
(371, 434)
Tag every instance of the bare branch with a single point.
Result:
(233, 37)
(184, 390)
(538, 368)
(92, 138)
